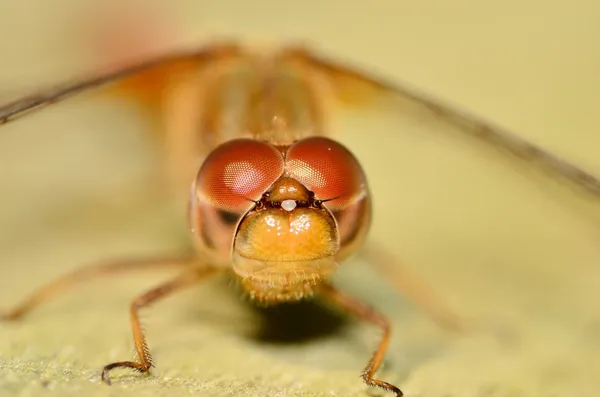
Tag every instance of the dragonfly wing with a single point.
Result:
(356, 88)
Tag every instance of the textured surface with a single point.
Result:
(498, 242)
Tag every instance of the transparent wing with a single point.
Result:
(457, 198)
(350, 86)
(147, 77)
(362, 89)
(428, 125)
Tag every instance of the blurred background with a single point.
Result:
(499, 241)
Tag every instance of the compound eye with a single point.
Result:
(232, 178)
(237, 173)
(328, 169)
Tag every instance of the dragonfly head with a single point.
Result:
(281, 217)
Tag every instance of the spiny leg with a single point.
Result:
(369, 314)
(180, 282)
(50, 290)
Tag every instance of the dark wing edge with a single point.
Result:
(21, 107)
(352, 83)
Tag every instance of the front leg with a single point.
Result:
(369, 314)
(180, 282)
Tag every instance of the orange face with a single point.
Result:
(282, 217)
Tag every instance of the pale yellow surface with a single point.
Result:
(499, 243)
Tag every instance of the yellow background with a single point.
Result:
(499, 242)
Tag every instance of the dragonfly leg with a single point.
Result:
(60, 285)
(144, 363)
(369, 314)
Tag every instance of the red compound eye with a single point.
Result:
(328, 169)
(238, 173)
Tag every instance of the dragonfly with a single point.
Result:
(272, 198)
